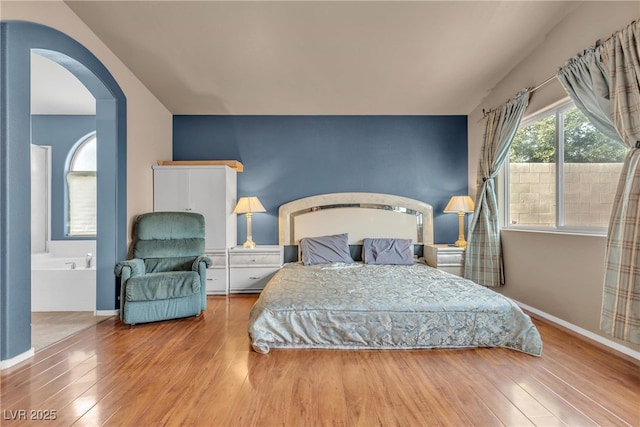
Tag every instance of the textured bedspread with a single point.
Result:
(357, 306)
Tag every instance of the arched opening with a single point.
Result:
(19, 39)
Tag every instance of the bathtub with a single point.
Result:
(57, 287)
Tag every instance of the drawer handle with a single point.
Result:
(211, 279)
(255, 277)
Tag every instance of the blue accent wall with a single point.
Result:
(61, 133)
(289, 157)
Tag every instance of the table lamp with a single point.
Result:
(248, 205)
(460, 205)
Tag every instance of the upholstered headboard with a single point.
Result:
(359, 214)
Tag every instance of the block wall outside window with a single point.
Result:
(589, 189)
(532, 194)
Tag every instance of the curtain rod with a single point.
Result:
(543, 83)
(485, 112)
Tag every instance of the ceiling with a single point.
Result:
(321, 57)
(54, 90)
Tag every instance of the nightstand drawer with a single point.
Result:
(450, 258)
(260, 256)
(250, 279)
(256, 259)
(251, 268)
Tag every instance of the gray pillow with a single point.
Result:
(325, 249)
(387, 251)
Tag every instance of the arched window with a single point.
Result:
(82, 190)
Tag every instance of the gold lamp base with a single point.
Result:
(249, 244)
(461, 243)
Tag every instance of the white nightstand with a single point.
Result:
(446, 258)
(217, 273)
(251, 268)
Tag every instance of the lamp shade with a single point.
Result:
(248, 204)
(459, 204)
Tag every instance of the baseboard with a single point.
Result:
(4, 364)
(107, 312)
(583, 332)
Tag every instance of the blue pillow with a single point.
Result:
(387, 251)
(325, 249)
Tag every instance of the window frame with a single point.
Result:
(558, 110)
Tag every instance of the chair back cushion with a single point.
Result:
(168, 235)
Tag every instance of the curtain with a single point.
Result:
(587, 83)
(621, 296)
(604, 83)
(483, 263)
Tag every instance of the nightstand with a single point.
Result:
(446, 258)
(251, 268)
(217, 273)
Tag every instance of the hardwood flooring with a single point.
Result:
(202, 372)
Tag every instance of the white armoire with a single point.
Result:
(210, 189)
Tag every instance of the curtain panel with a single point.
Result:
(621, 296)
(604, 83)
(587, 83)
(483, 263)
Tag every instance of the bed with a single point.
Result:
(389, 299)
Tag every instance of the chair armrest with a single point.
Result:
(196, 263)
(129, 268)
(200, 265)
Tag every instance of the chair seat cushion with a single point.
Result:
(160, 286)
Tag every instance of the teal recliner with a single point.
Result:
(166, 279)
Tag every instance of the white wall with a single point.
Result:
(149, 123)
(556, 273)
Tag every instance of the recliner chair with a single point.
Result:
(166, 279)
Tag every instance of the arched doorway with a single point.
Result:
(18, 40)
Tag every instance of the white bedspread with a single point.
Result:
(357, 306)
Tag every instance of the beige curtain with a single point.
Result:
(620, 55)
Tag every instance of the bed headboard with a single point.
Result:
(359, 214)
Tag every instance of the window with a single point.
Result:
(82, 191)
(562, 143)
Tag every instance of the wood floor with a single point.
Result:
(202, 372)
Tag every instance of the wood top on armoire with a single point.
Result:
(233, 164)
